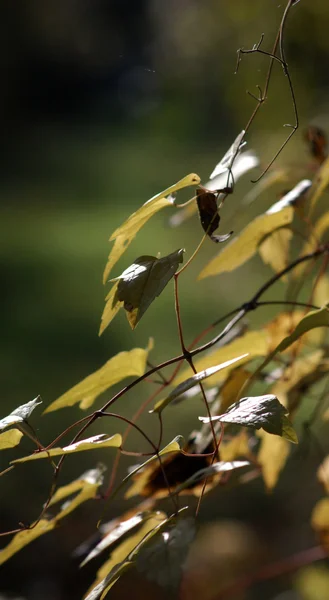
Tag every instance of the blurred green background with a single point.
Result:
(104, 103)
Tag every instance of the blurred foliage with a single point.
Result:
(103, 104)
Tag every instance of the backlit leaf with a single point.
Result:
(244, 246)
(121, 527)
(321, 181)
(20, 414)
(192, 381)
(229, 392)
(124, 235)
(313, 319)
(323, 474)
(87, 488)
(251, 344)
(237, 447)
(111, 308)
(272, 457)
(10, 439)
(143, 281)
(123, 557)
(274, 250)
(95, 442)
(173, 447)
(258, 412)
(243, 163)
(124, 364)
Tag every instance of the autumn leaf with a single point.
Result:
(258, 412)
(317, 142)
(111, 309)
(121, 527)
(244, 246)
(86, 486)
(243, 163)
(95, 442)
(274, 250)
(251, 344)
(123, 557)
(208, 212)
(192, 381)
(124, 235)
(130, 363)
(272, 457)
(320, 183)
(143, 281)
(10, 439)
(313, 319)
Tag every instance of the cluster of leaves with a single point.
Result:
(242, 432)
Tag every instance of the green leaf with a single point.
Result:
(124, 364)
(259, 412)
(143, 281)
(192, 381)
(95, 442)
(20, 414)
(10, 439)
(243, 247)
(124, 235)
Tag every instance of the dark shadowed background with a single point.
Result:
(103, 104)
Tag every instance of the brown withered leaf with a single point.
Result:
(317, 142)
(150, 482)
(208, 212)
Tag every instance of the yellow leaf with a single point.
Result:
(237, 447)
(124, 235)
(137, 486)
(92, 443)
(244, 246)
(25, 537)
(120, 558)
(230, 390)
(272, 457)
(254, 343)
(192, 381)
(274, 250)
(88, 485)
(312, 320)
(312, 583)
(295, 379)
(319, 229)
(122, 365)
(323, 473)
(320, 515)
(320, 183)
(111, 307)
(10, 439)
